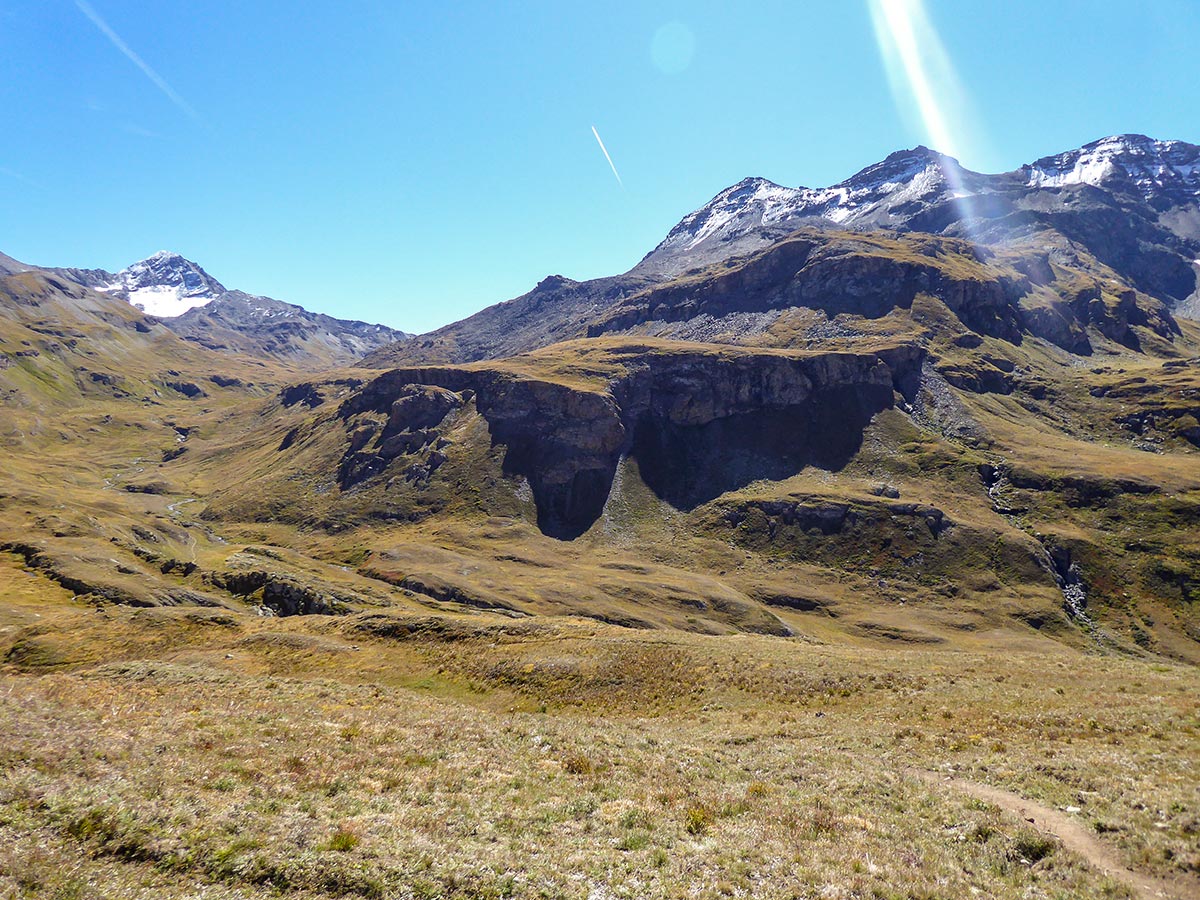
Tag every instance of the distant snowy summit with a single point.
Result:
(903, 175)
(1150, 166)
(923, 190)
(200, 309)
(165, 285)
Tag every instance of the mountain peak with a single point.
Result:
(1133, 161)
(918, 152)
(172, 267)
(754, 182)
(1126, 143)
(10, 266)
(553, 282)
(165, 284)
(900, 167)
(746, 190)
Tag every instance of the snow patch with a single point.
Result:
(1083, 170)
(165, 285)
(162, 301)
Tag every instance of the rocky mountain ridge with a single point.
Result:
(1157, 170)
(1124, 209)
(922, 190)
(753, 211)
(197, 307)
(244, 323)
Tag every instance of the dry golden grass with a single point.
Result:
(383, 755)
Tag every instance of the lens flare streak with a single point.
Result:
(923, 80)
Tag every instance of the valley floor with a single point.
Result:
(191, 752)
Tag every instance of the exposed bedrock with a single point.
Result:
(699, 422)
(834, 276)
(873, 278)
(699, 428)
(1134, 244)
(1115, 317)
(565, 442)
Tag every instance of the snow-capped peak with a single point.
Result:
(751, 200)
(904, 176)
(165, 285)
(900, 167)
(1148, 165)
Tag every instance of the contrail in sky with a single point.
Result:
(159, 81)
(604, 150)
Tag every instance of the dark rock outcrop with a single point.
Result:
(187, 388)
(829, 518)
(700, 421)
(1114, 316)
(284, 595)
(308, 394)
(835, 274)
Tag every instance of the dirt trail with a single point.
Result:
(1075, 837)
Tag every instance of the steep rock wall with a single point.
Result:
(700, 422)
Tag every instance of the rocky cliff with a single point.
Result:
(838, 274)
(699, 421)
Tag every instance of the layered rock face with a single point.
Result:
(863, 277)
(872, 276)
(699, 421)
(1047, 291)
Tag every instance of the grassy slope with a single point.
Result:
(686, 569)
(385, 755)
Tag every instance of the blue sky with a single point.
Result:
(412, 163)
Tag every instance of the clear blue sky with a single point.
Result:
(411, 163)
